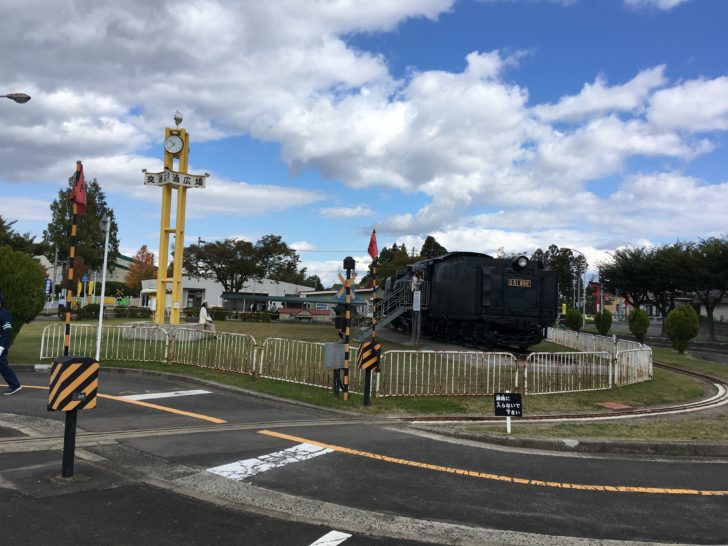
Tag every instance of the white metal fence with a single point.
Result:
(303, 362)
(567, 372)
(591, 343)
(436, 373)
(403, 373)
(631, 361)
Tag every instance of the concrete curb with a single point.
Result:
(615, 447)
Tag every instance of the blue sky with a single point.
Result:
(491, 125)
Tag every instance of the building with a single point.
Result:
(256, 295)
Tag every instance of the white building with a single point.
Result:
(195, 291)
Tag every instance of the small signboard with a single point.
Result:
(416, 301)
(48, 287)
(174, 178)
(508, 404)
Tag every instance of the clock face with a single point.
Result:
(173, 144)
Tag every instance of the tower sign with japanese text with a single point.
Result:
(176, 148)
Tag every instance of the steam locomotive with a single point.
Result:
(475, 298)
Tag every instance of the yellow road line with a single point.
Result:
(152, 406)
(497, 477)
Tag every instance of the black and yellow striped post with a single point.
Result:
(375, 301)
(367, 360)
(66, 396)
(349, 265)
(74, 383)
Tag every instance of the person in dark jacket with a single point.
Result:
(6, 334)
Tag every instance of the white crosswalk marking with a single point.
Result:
(331, 539)
(241, 470)
(153, 395)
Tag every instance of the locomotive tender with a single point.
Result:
(479, 299)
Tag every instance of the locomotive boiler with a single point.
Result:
(475, 298)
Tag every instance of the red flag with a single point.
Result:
(78, 192)
(373, 250)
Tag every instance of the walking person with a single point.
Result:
(6, 334)
(206, 319)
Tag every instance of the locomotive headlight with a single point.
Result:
(520, 263)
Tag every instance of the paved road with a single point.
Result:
(229, 468)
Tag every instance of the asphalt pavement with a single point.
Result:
(167, 460)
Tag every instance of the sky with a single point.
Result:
(492, 125)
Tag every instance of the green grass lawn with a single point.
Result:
(666, 387)
(692, 429)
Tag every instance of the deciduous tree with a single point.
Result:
(710, 275)
(628, 275)
(141, 268)
(231, 262)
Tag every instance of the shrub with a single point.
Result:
(22, 281)
(218, 313)
(681, 326)
(132, 312)
(574, 319)
(603, 322)
(639, 322)
(258, 316)
(90, 311)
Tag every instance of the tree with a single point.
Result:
(24, 243)
(314, 282)
(89, 237)
(277, 261)
(431, 248)
(638, 322)
(574, 319)
(569, 268)
(681, 326)
(671, 275)
(22, 281)
(628, 275)
(141, 268)
(710, 275)
(390, 261)
(231, 262)
(603, 322)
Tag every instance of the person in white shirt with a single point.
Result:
(205, 319)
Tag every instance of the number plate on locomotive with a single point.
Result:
(522, 283)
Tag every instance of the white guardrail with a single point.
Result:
(403, 373)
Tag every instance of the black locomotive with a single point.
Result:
(475, 298)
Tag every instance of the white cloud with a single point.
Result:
(21, 208)
(347, 212)
(598, 98)
(302, 245)
(495, 169)
(694, 105)
(659, 4)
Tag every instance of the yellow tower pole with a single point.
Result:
(165, 230)
(179, 234)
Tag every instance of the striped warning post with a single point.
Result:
(74, 383)
(368, 356)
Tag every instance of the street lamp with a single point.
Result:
(20, 98)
